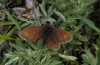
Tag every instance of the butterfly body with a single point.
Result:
(51, 36)
(47, 32)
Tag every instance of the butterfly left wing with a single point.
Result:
(32, 33)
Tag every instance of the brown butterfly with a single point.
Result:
(52, 36)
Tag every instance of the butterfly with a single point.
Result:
(50, 35)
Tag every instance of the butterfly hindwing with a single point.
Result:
(52, 43)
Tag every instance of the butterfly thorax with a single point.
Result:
(48, 30)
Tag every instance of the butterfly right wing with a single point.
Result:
(61, 36)
(32, 33)
(58, 37)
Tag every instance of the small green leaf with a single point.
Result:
(6, 37)
(44, 59)
(80, 37)
(76, 42)
(6, 23)
(11, 61)
(37, 23)
(77, 28)
(47, 62)
(8, 34)
(90, 23)
(50, 11)
(39, 44)
(68, 57)
(89, 58)
(43, 9)
(12, 19)
(32, 45)
(38, 56)
(60, 15)
(98, 42)
(55, 63)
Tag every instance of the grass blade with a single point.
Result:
(90, 23)
(12, 19)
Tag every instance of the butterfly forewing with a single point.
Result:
(32, 33)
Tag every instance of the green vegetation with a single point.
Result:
(80, 17)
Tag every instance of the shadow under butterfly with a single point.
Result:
(50, 35)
